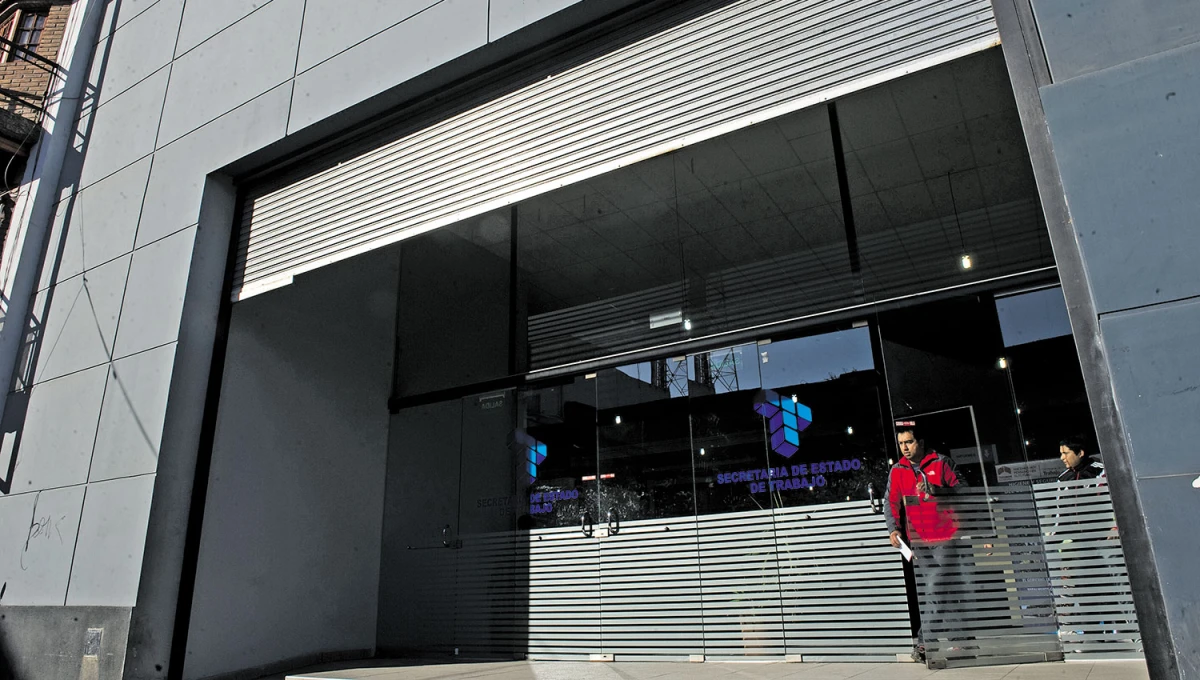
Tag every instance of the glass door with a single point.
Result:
(735, 492)
(1088, 572)
(554, 454)
(492, 562)
(982, 586)
(842, 587)
(418, 562)
(649, 571)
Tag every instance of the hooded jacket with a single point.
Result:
(1087, 469)
(926, 519)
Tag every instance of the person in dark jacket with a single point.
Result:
(1079, 464)
(913, 512)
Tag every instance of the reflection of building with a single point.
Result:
(298, 279)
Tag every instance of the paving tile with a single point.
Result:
(1118, 670)
(524, 670)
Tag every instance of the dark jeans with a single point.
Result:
(939, 580)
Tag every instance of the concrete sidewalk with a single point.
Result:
(560, 670)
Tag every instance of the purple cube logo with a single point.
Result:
(531, 451)
(786, 419)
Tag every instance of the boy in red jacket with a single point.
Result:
(914, 483)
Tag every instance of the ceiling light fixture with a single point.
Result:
(965, 261)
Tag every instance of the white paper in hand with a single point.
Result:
(906, 551)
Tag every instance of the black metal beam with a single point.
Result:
(839, 159)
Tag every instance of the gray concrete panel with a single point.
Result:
(289, 553)
(78, 320)
(38, 530)
(102, 221)
(53, 442)
(232, 68)
(1082, 37)
(1157, 392)
(447, 30)
(1126, 145)
(117, 13)
(203, 20)
(136, 50)
(1172, 505)
(47, 643)
(122, 130)
(131, 419)
(15, 512)
(327, 33)
(177, 180)
(510, 15)
(112, 535)
(160, 586)
(154, 296)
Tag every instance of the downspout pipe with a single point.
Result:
(33, 215)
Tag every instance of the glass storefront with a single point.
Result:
(743, 231)
(652, 415)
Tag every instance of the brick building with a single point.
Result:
(30, 34)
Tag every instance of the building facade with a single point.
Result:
(585, 330)
(32, 33)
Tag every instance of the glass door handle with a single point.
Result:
(876, 504)
(446, 542)
(584, 526)
(614, 523)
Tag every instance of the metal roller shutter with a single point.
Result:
(741, 64)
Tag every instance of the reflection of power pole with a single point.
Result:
(704, 370)
(723, 372)
(670, 375)
(658, 374)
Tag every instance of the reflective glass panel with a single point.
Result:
(730, 232)
(644, 447)
(942, 191)
(831, 383)
(454, 306)
(555, 450)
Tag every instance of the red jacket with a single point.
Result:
(930, 523)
